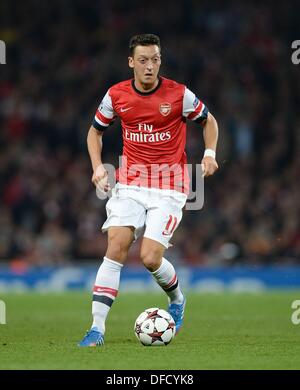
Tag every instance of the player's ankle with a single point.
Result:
(177, 301)
(97, 328)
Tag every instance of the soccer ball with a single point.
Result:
(155, 326)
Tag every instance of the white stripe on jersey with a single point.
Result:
(106, 107)
(100, 122)
(190, 103)
(200, 113)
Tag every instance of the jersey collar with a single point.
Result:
(147, 93)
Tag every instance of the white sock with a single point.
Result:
(105, 291)
(166, 277)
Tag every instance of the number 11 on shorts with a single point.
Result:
(170, 226)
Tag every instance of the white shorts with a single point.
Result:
(158, 211)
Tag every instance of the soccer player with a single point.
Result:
(152, 181)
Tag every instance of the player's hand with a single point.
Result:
(209, 166)
(100, 179)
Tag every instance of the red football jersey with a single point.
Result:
(154, 131)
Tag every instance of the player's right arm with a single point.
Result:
(103, 118)
(94, 143)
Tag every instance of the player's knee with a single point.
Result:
(118, 245)
(117, 250)
(151, 258)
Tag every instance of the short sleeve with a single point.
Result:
(193, 108)
(105, 113)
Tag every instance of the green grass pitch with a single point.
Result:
(221, 331)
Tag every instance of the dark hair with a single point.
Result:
(143, 40)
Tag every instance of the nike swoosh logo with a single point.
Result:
(125, 109)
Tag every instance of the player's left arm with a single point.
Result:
(210, 135)
(195, 110)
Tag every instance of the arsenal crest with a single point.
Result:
(165, 109)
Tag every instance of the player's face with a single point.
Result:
(145, 63)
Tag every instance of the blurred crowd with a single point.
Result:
(63, 55)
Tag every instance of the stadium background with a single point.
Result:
(61, 58)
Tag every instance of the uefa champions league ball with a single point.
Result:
(155, 326)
